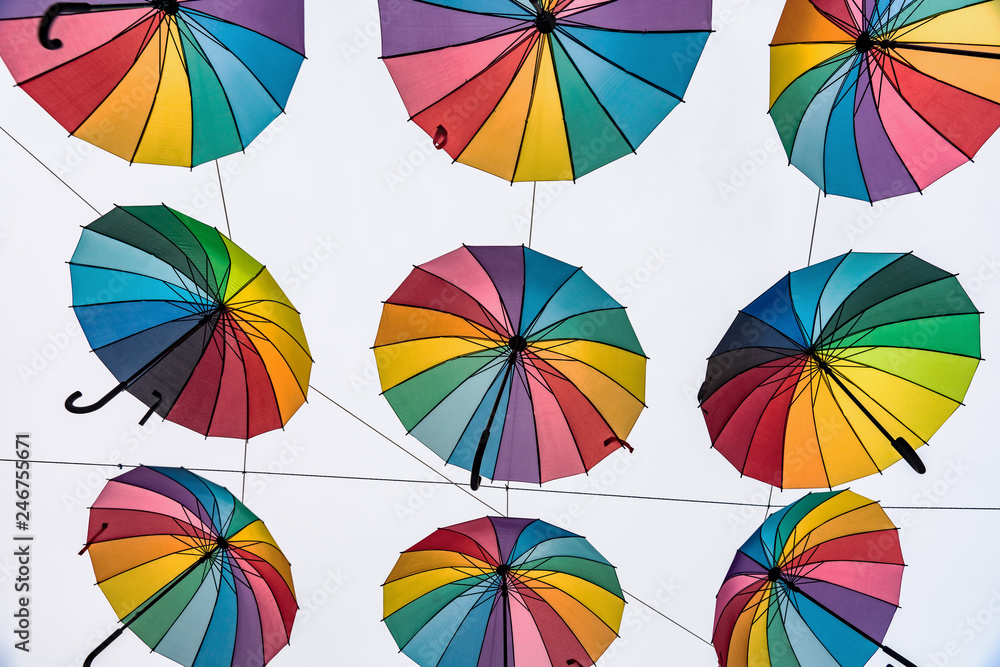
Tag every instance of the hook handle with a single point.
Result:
(83, 409)
(50, 15)
(156, 404)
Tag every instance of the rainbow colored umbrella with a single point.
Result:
(840, 369)
(817, 584)
(188, 323)
(880, 99)
(163, 82)
(190, 570)
(544, 91)
(501, 591)
(508, 335)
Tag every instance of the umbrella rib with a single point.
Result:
(488, 316)
(208, 275)
(195, 274)
(176, 288)
(568, 359)
(539, 40)
(226, 348)
(146, 17)
(621, 69)
(894, 83)
(191, 23)
(257, 333)
(528, 328)
(541, 335)
(163, 44)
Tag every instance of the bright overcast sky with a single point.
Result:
(340, 198)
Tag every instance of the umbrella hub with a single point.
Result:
(774, 574)
(221, 542)
(546, 22)
(864, 42)
(166, 6)
(502, 571)
(517, 343)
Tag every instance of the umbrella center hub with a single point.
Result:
(864, 42)
(502, 571)
(517, 343)
(221, 542)
(546, 22)
(774, 574)
(166, 6)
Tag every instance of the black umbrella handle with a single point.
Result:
(107, 642)
(83, 409)
(895, 656)
(50, 15)
(477, 460)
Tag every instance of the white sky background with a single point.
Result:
(313, 199)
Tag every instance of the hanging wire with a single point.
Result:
(447, 482)
(409, 453)
(243, 488)
(660, 613)
(812, 238)
(225, 210)
(531, 219)
(35, 157)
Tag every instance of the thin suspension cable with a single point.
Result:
(222, 192)
(409, 453)
(243, 488)
(812, 237)
(768, 510)
(660, 613)
(448, 482)
(531, 219)
(35, 157)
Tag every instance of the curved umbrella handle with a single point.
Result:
(50, 15)
(107, 642)
(82, 409)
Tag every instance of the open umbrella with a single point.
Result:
(190, 570)
(546, 90)
(508, 336)
(817, 584)
(874, 99)
(188, 323)
(177, 82)
(840, 369)
(501, 591)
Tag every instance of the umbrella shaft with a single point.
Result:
(939, 49)
(863, 409)
(853, 627)
(477, 460)
(117, 633)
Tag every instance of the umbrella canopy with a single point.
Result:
(817, 584)
(501, 591)
(508, 335)
(840, 369)
(164, 82)
(188, 323)
(546, 90)
(875, 99)
(190, 570)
